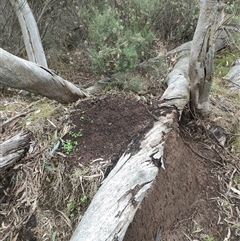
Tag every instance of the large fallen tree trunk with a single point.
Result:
(113, 207)
(25, 75)
(14, 148)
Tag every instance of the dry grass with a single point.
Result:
(40, 183)
(225, 104)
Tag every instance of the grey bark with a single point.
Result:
(14, 148)
(25, 75)
(117, 200)
(30, 32)
(233, 76)
(202, 54)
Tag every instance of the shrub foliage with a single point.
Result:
(120, 33)
(117, 34)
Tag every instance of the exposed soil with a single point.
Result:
(181, 205)
(108, 125)
(181, 199)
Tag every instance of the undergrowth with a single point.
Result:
(226, 102)
(121, 33)
(117, 39)
(110, 36)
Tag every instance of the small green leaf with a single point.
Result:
(54, 235)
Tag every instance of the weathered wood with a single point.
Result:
(177, 94)
(25, 75)
(233, 76)
(113, 207)
(31, 37)
(202, 54)
(117, 200)
(14, 148)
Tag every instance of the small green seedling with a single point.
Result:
(75, 134)
(70, 205)
(208, 238)
(68, 146)
(84, 199)
(82, 116)
(74, 207)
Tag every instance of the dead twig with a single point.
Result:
(230, 134)
(14, 118)
(195, 152)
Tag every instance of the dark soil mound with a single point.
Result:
(181, 200)
(108, 125)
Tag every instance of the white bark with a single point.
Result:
(113, 207)
(177, 94)
(12, 150)
(202, 54)
(25, 75)
(30, 32)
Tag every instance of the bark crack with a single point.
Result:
(133, 191)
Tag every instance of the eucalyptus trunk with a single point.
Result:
(30, 32)
(202, 52)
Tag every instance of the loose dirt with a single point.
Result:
(108, 125)
(181, 198)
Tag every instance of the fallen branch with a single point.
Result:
(14, 148)
(14, 118)
(25, 75)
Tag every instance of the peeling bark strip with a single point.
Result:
(30, 32)
(202, 54)
(25, 75)
(13, 149)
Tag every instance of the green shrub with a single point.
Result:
(117, 34)
(117, 39)
(120, 34)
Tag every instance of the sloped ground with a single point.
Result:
(44, 196)
(183, 202)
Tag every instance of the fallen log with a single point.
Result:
(114, 205)
(117, 200)
(14, 148)
(25, 75)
